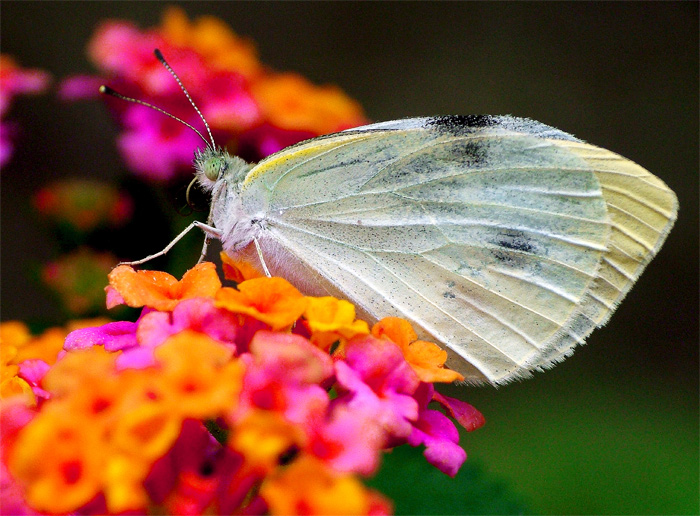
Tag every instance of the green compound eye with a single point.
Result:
(213, 168)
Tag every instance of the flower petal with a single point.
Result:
(273, 301)
(160, 290)
(238, 270)
(426, 359)
(465, 414)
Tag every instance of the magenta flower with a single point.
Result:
(349, 440)
(437, 433)
(284, 373)
(198, 314)
(198, 473)
(33, 371)
(154, 145)
(465, 414)
(138, 340)
(375, 377)
(116, 336)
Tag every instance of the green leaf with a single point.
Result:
(417, 487)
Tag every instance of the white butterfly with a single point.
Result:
(503, 239)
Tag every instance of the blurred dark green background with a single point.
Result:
(614, 429)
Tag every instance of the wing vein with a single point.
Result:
(539, 282)
(562, 238)
(498, 294)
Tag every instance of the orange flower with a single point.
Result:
(213, 39)
(308, 486)
(331, 320)
(146, 431)
(426, 359)
(198, 375)
(60, 460)
(238, 270)
(124, 489)
(14, 333)
(10, 383)
(292, 103)
(78, 371)
(273, 301)
(160, 290)
(14, 337)
(263, 437)
(44, 347)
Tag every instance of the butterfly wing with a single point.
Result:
(506, 240)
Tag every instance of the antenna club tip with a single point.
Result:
(106, 90)
(158, 54)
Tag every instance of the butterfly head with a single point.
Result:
(216, 164)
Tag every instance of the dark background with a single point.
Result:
(614, 429)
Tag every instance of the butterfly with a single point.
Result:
(503, 239)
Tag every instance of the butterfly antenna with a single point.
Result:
(160, 58)
(106, 90)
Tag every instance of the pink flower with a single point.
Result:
(284, 373)
(228, 105)
(15, 81)
(114, 336)
(7, 133)
(349, 440)
(12, 495)
(198, 314)
(33, 371)
(465, 414)
(199, 407)
(198, 473)
(80, 87)
(375, 377)
(434, 430)
(439, 435)
(138, 340)
(154, 145)
(120, 48)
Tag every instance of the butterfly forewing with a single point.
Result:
(505, 240)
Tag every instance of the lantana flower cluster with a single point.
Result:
(14, 81)
(83, 205)
(252, 110)
(254, 399)
(79, 212)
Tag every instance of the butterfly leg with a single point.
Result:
(262, 259)
(210, 231)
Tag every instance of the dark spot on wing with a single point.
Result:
(463, 124)
(516, 241)
(448, 295)
(461, 121)
(472, 153)
(511, 244)
(457, 123)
